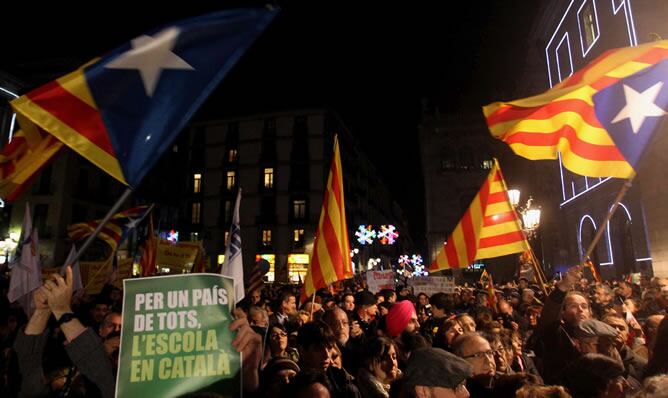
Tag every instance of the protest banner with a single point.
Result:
(176, 339)
(177, 256)
(377, 280)
(432, 284)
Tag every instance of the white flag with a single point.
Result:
(26, 274)
(76, 273)
(233, 264)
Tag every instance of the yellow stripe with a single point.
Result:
(75, 83)
(499, 229)
(441, 260)
(476, 218)
(532, 152)
(594, 168)
(70, 137)
(460, 245)
(496, 208)
(628, 69)
(583, 130)
(497, 251)
(29, 164)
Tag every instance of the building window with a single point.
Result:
(196, 212)
(268, 177)
(298, 237)
(197, 183)
(487, 164)
(231, 179)
(227, 235)
(299, 209)
(232, 155)
(194, 236)
(266, 237)
(588, 25)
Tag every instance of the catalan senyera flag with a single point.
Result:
(600, 119)
(28, 152)
(330, 261)
(122, 110)
(488, 284)
(115, 231)
(489, 228)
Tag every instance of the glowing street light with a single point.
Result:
(531, 218)
(514, 196)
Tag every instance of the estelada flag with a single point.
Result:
(600, 119)
(330, 261)
(123, 110)
(489, 228)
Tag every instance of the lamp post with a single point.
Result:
(530, 220)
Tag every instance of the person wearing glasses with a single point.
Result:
(476, 350)
(278, 344)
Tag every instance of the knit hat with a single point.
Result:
(277, 364)
(398, 317)
(434, 367)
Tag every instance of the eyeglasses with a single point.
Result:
(481, 354)
(278, 335)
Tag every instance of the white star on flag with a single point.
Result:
(639, 106)
(150, 55)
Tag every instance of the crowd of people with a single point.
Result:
(582, 339)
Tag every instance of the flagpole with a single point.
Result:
(538, 270)
(102, 223)
(604, 223)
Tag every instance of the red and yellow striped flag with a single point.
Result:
(489, 228)
(564, 118)
(330, 261)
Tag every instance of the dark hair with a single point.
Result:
(376, 350)
(507, 385)
(442, 301)
(316, 333)
(658, 363)
(440, 341)
(589, 375)
(387, 293)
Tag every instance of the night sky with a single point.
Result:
(372, 63)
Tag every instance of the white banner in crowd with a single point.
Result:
(377, 280)
(432, 284)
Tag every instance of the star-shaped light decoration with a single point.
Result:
(150, 55)
(640, 106)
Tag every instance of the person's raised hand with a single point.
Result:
(58, 291)
(249, 344)
(41, 303)
(570, 278)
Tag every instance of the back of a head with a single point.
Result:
(536, 391)
(442, 301)
(302, 384)
(654, 387)
(316, 333)
(589, 375)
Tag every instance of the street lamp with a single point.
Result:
(514, 196)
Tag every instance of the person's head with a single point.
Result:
(625, 289)
(575, 308)
(476, 351)
(423, 299)
(112, 322)
(467, 322)
(99, 311)
(505, 307)
(277, 374)
(258, 317)
(447, 333)
(432, 372)
(315, 342)
(537, 391)
(499, 351)
(532, 315)
(287, 303)
(389, 295)
(595, 375)
(658, 361)
(348, 302)
(278, 339)
(380, 359)
(528, 295)
(650, 328)
(423, 314)
(594, 336)
(338, 321)
(618, 323)
(654, 387)
(602, 294)
(523, 283)
(365, 304)
(255, 296)
(441, 304)
(401, 318)
(309, 384)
